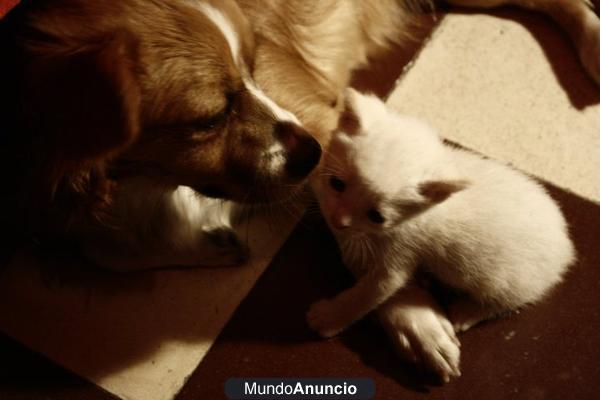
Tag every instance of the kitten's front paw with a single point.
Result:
(324, 318)
(222, 247)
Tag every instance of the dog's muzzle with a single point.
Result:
(302, 151)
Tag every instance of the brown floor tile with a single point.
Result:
(26, 375)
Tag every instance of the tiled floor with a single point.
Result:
(547, 352)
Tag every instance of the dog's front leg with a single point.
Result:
(154, 226)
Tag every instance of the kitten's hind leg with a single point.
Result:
(420, 331)
(466, 312)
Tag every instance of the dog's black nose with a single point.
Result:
(303, 151)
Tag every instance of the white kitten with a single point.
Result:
(396, 198)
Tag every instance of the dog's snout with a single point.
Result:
(303, 151)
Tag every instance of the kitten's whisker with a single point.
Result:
(331, 156)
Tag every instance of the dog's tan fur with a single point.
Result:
(149, 88)
(128, 103)
(171, 78)
(318, 43)
(308, 49)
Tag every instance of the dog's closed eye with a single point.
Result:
(208, 124)
(201, 127)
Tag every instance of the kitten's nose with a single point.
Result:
(341, 221)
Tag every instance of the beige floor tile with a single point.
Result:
(509, 85)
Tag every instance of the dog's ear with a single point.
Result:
(84, 104)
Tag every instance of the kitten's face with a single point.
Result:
(349, 200)
(381, 168)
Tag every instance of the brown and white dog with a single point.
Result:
(132, 107)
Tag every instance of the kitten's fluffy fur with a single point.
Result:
(396, 198)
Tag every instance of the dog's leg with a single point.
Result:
(420, 331)
(575, 16)
(154, 226)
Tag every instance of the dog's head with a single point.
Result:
(161, 88)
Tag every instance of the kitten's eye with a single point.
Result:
(375, 216)
(337, 184)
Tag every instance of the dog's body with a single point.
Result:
(129, 104)
(305, 50)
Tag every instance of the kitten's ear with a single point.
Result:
(438, 191)
(349, 122)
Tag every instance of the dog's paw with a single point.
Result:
(325, 318)
(222, 247)
(589, 50)
(426, 338)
